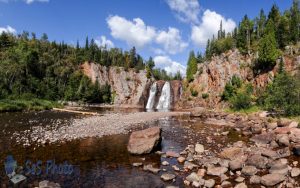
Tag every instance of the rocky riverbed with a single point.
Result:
(201, 148)
(268, 156)
(93, 126)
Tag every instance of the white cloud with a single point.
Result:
(166, 63)
(26, 1)
(103, 41)
(135, 32)
(32, 1)
(7, 29)
(171, 40)
(209, 26)
(185, 10)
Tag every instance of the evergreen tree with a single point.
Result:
(261, 23)
(268, 52)
(244, 35)
(283, 36)
(191, 67)
(295, 21)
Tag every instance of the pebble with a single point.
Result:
(167, 176)
(239, 179)
(181, 159)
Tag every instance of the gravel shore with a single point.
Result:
(92, 126)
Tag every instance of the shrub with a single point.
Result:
(194, 92)
(205, 95)
(241, 100)
(283, 94)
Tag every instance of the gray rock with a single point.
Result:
(181, 159)
(189, 165)
(137, 164)
(283, 139)
(209, 183)
(272, 125)
(196, 184)
(264, 138)
(241, 185)
(144, 141)
(226, 184)
(295, 172)
(272, 179)
(48, 184)
(249, 170)
(165, 163)
(255, 179)
(239, 179)
(150, 168)
(199, 148)
(167, 176)
(236, 164)
(216, 171)
(193, 177)
(224, 177)
(257, 160)
(279, 168)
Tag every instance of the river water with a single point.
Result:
(97, 162)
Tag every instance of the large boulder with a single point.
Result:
(144, 141)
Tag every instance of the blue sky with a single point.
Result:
(164, 29)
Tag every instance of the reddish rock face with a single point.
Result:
(145, 141)
(213, 75)
(129, 87)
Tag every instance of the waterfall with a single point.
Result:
(151, 98)
(165, 98)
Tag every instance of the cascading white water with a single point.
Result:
(164, 102)
(151, 98)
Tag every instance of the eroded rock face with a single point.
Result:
(143, 142)
(213, 75)
(131, 88)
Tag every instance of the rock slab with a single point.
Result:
(144, 141)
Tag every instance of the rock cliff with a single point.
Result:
(130, 88)
(213, 75)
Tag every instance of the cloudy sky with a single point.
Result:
(164, 29)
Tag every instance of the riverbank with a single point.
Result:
(8, 105)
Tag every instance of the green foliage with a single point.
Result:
(294, 21)
(205, 95)
(194, 93)
(241, 100)
(238, 94)
(268, 52)
(191, 67)
(7, 105)
(231, 88)
(48, 70)
(177, 76)
(283, 94)
(254, 35)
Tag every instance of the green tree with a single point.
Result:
(244, 35)
(295, 21)
(283, 94)
(267, 52)
(191, 67)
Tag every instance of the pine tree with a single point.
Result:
(268, 52)
(261, 23)
(191, 67)
(295, 21)
(283, 32)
